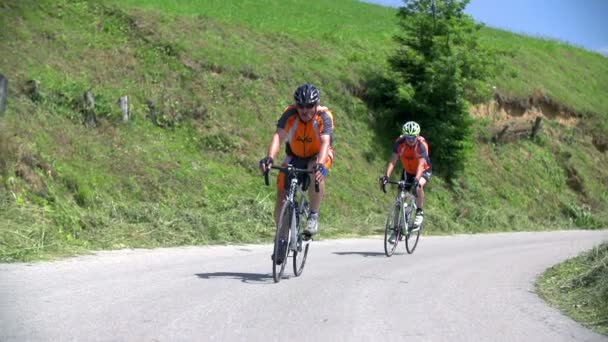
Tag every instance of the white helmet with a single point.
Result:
(411, 128)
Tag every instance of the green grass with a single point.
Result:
(572, 75)
(219, 75)
(579, 287)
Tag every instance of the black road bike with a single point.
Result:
(290, 239)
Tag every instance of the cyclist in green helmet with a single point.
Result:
(413, 151)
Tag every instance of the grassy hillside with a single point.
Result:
(218, 75)
(574, 76)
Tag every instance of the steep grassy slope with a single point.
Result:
(218, 76)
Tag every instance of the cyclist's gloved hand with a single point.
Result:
(384, 180)
(320, 171)
(265, 163)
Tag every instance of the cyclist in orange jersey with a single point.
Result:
(413, 150)
(307, 129)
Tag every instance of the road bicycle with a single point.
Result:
(400, 219)
(290, 239)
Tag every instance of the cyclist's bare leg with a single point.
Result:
(316, 197)
(420, 193)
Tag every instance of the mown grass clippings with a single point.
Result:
(579, 287)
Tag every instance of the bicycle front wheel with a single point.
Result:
(413, 233)
(300, 254)
(392, 231)
(281, 242)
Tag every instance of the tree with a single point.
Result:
(441, 66)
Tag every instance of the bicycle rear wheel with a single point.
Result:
(281, 242)
(392, 227)
(412, 235)
(300, 254)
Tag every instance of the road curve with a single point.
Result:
(456, 288)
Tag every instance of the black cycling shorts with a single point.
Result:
(410, 178)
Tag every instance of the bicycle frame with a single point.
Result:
(407, 201)
(294, 194)
(406, 198)
(296, 201)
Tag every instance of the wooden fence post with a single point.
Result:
(89, 109)
(497, 137)
(123, 102)
(536, 127)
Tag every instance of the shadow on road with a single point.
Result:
(250, 278)
(364, 254)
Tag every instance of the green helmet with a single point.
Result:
(411, 128)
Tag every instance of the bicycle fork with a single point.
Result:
(300, 211)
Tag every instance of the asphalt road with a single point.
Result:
(457, 288)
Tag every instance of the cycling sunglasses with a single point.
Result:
(307, 106)
(410, 137)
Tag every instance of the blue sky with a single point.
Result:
(582, 23)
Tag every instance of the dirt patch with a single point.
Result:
(26, 169)
(575, 181)
(600, 143)
(505, 110)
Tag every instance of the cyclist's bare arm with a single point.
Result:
(325, 142)
(275, 144)
(420, 170)
(391, 165)
(322, 156)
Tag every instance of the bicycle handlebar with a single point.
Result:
(400, 183)
(289, 169)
